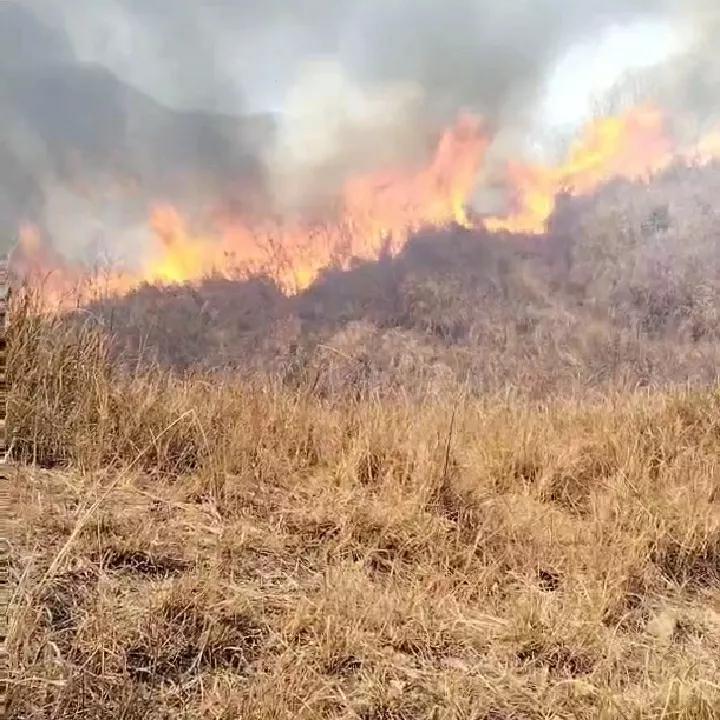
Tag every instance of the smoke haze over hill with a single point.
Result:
(113, 106)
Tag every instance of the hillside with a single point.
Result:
(73, 129)
(622, 292)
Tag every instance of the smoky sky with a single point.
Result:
(116, 103)
(687, 86)
(227, 55)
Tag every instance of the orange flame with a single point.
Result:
(398, 202)
(708, 149)
(631, 146)
(379, 212)
(180, 256)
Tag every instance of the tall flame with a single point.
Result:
(379, 212)
(631, 146)
(181, 256)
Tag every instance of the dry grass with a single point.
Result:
(215, 547)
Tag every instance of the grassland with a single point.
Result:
(222, 546)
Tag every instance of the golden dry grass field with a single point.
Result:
(221, 547)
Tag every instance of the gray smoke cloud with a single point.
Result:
(460, 52)
(687, 85)
(120, 102)
(78, 142)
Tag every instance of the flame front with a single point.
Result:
(379, 212)
(632, 146)
(181, 256)
(393, 204)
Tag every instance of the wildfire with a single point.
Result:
(180, 256)
(379, 212)
(708, 149)
(632, 146)
(395, 204)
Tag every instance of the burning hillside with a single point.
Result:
(622, 290)
(365, 126)
(377, 213)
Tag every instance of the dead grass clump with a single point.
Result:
(626, 610)
(377, 466)
(556, 658)
(574, 476)
(183, 634)
(691, 557)
(140, 562)
(66, 599)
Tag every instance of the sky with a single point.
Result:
(247, 55)
(538, 66)
(546, 63)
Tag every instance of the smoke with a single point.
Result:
(78, 141)
(214, 56)
(331, 126)
(685, 84)
(112, 105)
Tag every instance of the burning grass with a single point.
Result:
(218, 546)
(622, 292)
